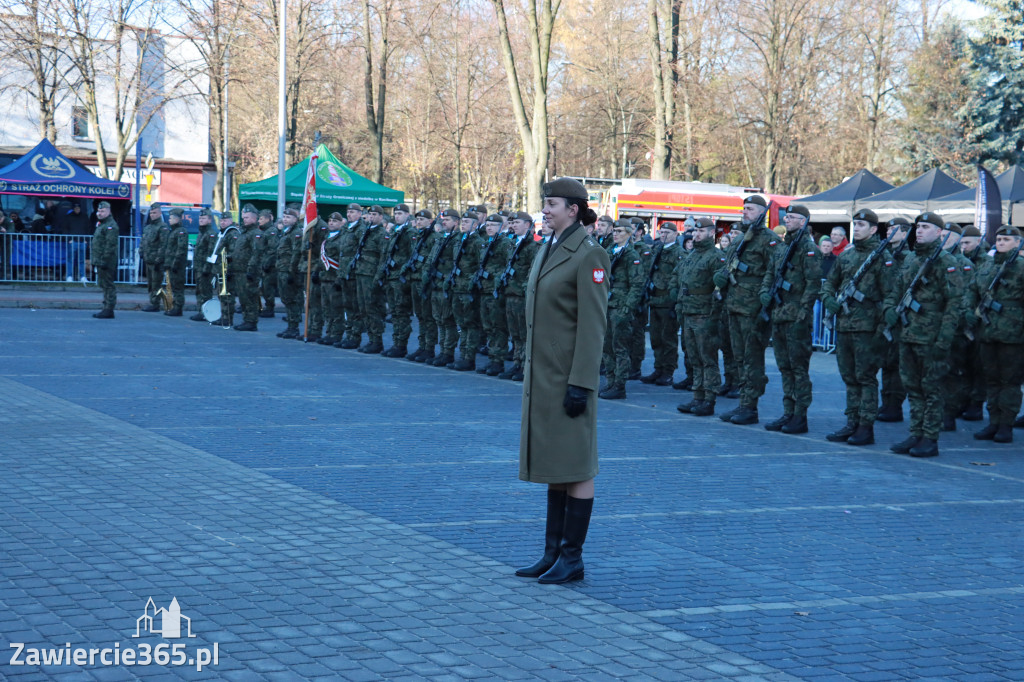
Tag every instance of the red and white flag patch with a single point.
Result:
(598, 275)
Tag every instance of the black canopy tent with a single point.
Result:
(912, 198)
(836, 205)
(959, 207)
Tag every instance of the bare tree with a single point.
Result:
(376, 34)
(663, 37)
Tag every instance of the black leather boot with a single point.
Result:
(569, 564)
(552, 536)
(777, 424)
(1004, 434)
(840, 435)
(905, 445)
(926, 447)
(864, 435)
(973, 413)
(798, 424)
(987, 433)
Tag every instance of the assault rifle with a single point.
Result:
(510, 266)
(851, 290)
(481, 273)
(358, 254)
(733, 262)
(456, 270)
(432, 273)
(416, 257)
(611, 269)
(907, 301)
(389, 257)
(780, 281)
(649, 282)
(988, 302)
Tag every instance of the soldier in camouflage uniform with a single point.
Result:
(202, 270)
(268, 283)
(435, 274)
(603, 231)
(175, 260)
(626, 279)
(229, 233)
(351, 238)
(465, 251)
(699, 313)
(103, 256)
(412, 272)
(976, 250)
(995, 314)
(893, 392)
(926, 335)
(246, 269)
(152, 252)
(493, 259)
(397, 287)
(332, 291)
(310, 269)
(958, 384)
(289, 282)
(512, 284)
(664, 323)
(638, 340)
(860, 348)
(370, 296)
(739, 287)
(730, 383)
(791, 318)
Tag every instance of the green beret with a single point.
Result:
(295, 206)
(266, 213)
(932, 218)
(972, 231)
(450, 213)
(622, 222)
(177, 211)
(523, 215)
(495, 219)
(376, 209)
(899, 221)
(567, 188)
(103, 204)
(402, 207)
(606, 219)
(867, 215)
(470, 215)
(249, 208)
(1008, 231)
(354, 207)
(505, 214)
(755, 199)
(797, 209)
(424, 214)
(953, 227)
(704, 222)
(155, 205)
(226, 215)
(668, 225)
(205, 212)
(292, 210)
(336, 216)
(824, 238)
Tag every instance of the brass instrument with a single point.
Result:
(166, 295)
(212, 308)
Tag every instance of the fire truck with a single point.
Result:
(663, 200)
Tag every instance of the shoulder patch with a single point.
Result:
(966, 268)
(888, 263)
(772, 243)
(810, 253)
(598, 275)
(636, 262)
(951, 269)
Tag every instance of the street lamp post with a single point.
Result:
(281, 107)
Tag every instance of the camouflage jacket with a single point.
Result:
(936, 321)
(802, 276)
(864, 315)
(1004, 305)
(693, 286)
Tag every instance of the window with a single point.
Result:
(80, 128)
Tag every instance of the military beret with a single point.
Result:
(336, 216)
(606, 219)
(156, 205)
(205, 212)
(567, 188)
(292, 210)
(704, 222)
(266, 213)
(505, 214)
(972, 231)
(1008, 231)
(953, 227)
(797, 209)
(622, 222)
(668, 225)
(249, 208)
(470, 215)
(523, 215)
(226, 215)
(867, 215)
(177, 212)
(103, 204)
(425, 214)
(898, 222)
(450, 213)
(495, 219)
(354, 207)
(402, 207)
(755, 199)
(929, 217)
(636, 221)
(295, 206)
(376, 209)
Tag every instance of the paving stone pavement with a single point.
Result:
(320, 513)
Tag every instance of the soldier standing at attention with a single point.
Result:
(268, 283)
(330, 281)
(202, 270)
(246, 269)
(435, 274)
(664, 322)
(104, 258)
(289, 284)
(352, 237)
(698, 311)
(369, 294)
(466, 251)
(412, 272)
(228, 236)
(926, 335)
(398, 288)
(860, 348)
(603, 231)
(958, 384)
(152, 252)
(175, 260)
(625, 283)
(791, 317)
(493, 259)
(566, 297)
(973, 247)
(893, 393)
(513, 284)
(739, 282)
(1001, 301)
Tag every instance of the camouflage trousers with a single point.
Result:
(315, 320)
(792, 344)
(859, 355)
(105, 278)
(268, 288)
(893, 391)
(974, 367)
(466, 310)
(618, 343)
(176, 280)
(749, 340)
(332, 300)
(515, 319)
(923, 371)
(664, 337)
(1004, 373)
(248, 297)
(495, 326)
(700, 335)
(426, 325)
(354, 324)
(725, 344)
(958, 382)
(638, 341)
(292, 296)
(204, 286)
(399, 297)
(371, 306)
(154, 279)
(444, 319)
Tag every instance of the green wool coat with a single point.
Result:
(566, 315)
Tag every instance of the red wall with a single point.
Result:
(180, 186)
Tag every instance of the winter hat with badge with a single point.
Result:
(425, 214)
(867, 215)
(931, 218)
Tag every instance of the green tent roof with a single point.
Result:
(336, 185)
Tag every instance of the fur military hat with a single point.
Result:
(249, 208)
(450, 213)
(429, 215)
(402, 207)
(1008, 231)
(798, 209)
(567, 188)
(953, 227)
(867, 215)
(972, 231)
(376, 209)
(523, 215)
(668, 225)
(266, 213)
(932, 218)
(177, 212)
(756, 199)
(103, 204)
(336, 216)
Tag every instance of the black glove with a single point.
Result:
(337, 286)
(575, 401)
(316, 278)
(250, 278)
(290, 281)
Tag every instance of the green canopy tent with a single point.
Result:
(337, 185)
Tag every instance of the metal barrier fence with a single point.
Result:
(822, 338)
(45, 258)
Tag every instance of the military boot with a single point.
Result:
(312, 338)
(105, 314)
(723, 391)
(173, 312)
(733, 394)
(569, 564)
(198, 317)
(665, 380)
(151, 308)
(948, 422)
(890, 413)
(842, 434)
(495, 369)
(245, 327)
(798, 424)
(1004, 434)
(412, 357)
(685, 384)
(1019, 423)
(726, 416)
(973, 413)
(552, 536)
(613, 392)
(987, 433)
(864, 435)
(634, 375)
(462, 365)
(777, 424)
(267, 313)
(510, 372)
(519, 375)
(705, 409)
(650, 378)
(290, 333)
(687, 408)
(426, 356)
(372, 348)
(926, 447)
(904, 446)
(744, 416)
